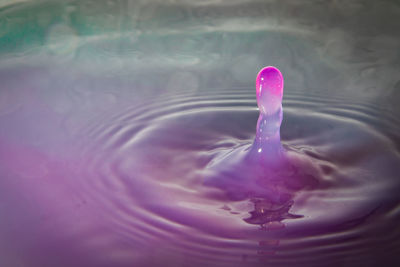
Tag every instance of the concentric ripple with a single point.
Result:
(123, 128)
(145, 168)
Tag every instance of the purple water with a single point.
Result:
(131, 134)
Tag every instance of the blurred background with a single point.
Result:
(336, 47)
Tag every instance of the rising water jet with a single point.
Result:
(269, 90)
(263, 169)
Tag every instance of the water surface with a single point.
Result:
(114, 114)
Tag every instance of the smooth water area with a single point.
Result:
(125, 130)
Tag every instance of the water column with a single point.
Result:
(269, 89)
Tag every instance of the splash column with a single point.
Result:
(269, 88)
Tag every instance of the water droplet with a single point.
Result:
(269, 85)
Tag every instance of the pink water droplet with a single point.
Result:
(269, 86)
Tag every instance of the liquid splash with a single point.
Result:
(110, 110)
(269, 88)
(265, 172)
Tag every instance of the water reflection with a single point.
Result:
(270, 214)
